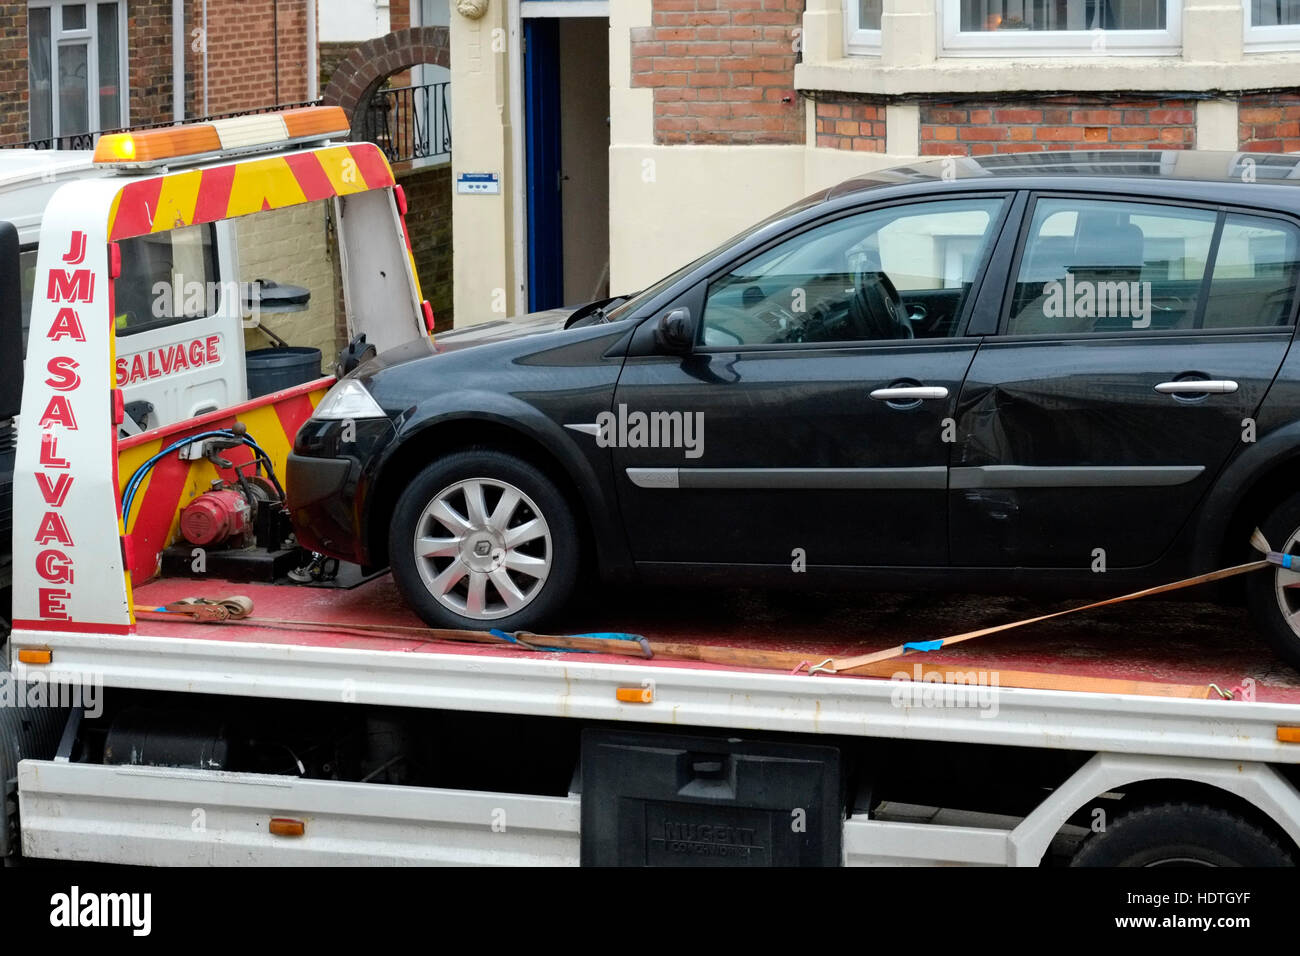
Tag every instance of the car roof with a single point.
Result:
(1188, 165)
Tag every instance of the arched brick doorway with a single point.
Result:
(353, 86)
(359, 77)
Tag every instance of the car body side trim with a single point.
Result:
(927, 478)
(1081, 476)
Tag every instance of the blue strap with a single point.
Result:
(923, 646)
(600, 635)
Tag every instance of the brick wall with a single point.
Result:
(331, 57)
(1269, 122)
(722, 71)
(241, 39)
(428, 222)
(975, 129)
(13, 72)
(149, 60)
(846, 123)
(241, 59)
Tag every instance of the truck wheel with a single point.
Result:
(1274, 594)
(1181, 834)
(481, 539)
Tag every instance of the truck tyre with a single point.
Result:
(1275, 607)
(481, 539)
(1181, 834)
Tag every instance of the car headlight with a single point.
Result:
(347, 399)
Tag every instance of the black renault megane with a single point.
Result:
(1051, 373)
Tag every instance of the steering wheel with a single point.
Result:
(877, 309)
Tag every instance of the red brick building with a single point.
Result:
(70, 68)
(1068, 75)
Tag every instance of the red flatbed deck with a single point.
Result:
(1159, 641)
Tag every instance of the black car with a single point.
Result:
(1055, 372)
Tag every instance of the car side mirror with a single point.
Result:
(675, 331)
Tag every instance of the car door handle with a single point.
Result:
(1198, 387)
(910, 393)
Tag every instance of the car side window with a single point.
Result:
(1101, 266)
(896, 273)
(1255, 271)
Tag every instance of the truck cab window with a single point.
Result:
(167, 278)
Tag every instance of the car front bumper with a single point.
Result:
(327, 482)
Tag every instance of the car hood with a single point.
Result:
(500, 330)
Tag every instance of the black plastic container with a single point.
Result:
(270, 370)
(667, 800)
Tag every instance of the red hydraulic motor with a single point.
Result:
(216, 517)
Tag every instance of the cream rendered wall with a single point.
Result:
(670, 204)
(482, 226)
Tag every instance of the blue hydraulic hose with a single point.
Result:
(138, 476)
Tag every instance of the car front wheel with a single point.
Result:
(481, 539)
(1274, 593)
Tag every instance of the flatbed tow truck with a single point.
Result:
(326, 726)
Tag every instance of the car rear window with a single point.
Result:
(1092, 265)
(1254, 279)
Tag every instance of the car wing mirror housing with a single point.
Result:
(675, 331)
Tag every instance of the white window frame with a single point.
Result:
(1268, 39)
(857, 41)
(1022, 43)
(89, 36)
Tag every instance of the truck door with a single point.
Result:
(379, 294)
(178, 319)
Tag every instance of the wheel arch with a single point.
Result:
(1253, 483)
(418, 446)
(1255, 791)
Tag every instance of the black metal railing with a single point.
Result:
(410, 122)
(88, 140)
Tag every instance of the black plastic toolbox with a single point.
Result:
(669, 800)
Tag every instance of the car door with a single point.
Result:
(1136, 343)
(816, 401)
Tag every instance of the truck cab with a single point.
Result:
(198, 274)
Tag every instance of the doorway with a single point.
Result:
(566, 118)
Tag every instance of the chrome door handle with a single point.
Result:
(1194, 387)
(913, 393)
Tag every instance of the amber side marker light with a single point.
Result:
(35, 655)
(283, 826)
(635, 695)
(1288, 735)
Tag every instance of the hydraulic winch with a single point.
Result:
(239, 528)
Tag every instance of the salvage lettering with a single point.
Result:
(54, 565)
(168, 360)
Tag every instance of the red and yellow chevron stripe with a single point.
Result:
(152, 526)
(194, 196)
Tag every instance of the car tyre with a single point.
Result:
(1274, 607)
(483, 540)
(1181, 834)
